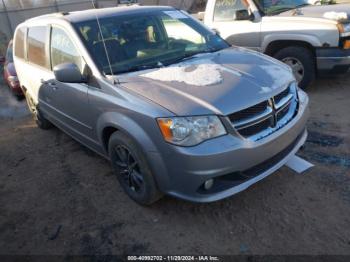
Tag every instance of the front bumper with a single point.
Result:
(333, 60)
(234, 163)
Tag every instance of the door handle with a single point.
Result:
(53, 86)
(50, 83)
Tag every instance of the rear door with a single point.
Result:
(238, 32)
(67, 103)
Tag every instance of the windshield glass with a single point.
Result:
(272, 7)
(148, 40)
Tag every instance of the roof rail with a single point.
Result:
(59, 14)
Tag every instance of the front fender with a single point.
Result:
(310, 39)
(143, 140)
(126, 125)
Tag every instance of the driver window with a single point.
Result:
(225, 10)
(63, 50)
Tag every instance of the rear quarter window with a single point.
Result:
(19, 42)
(36, 45)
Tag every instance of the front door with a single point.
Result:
(67, 103)
(236, 24)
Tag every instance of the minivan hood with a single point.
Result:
(215, 83)
(319, 11)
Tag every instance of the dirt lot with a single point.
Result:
(56, 197)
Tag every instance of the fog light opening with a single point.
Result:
(208, 184)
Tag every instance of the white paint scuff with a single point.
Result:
(298, 164)
(337, 16)
(202, 72)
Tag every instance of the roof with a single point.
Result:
(79, 16)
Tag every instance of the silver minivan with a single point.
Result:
(175, 108)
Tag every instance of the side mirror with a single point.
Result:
(200, 16)
(242, 15)
(216, 31)
(2, 60)
(68, 73)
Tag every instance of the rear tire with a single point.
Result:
(131, 168)
(302, 62)
(39, 119)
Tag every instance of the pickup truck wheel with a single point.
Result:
(39, 119)
(131, 168)
(302, 62)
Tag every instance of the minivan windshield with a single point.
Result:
(137, 42)
(272, 7)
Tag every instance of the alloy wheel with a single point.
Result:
(296, 66)
(129, 169)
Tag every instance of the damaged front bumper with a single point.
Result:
(232, 163)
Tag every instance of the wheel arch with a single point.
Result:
(109, 123)
(107, 132)
(273, 47)
(112, 122)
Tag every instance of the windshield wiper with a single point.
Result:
(139, 68)
(192, 54)
(183, 58)
(211, 50)
(284, 9)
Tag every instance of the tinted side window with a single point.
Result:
(63, 49)
(19, 42)
(225, 10)
(36, 45)
(9, 53)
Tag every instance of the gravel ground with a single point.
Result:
(59, 198)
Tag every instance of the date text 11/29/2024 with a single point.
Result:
(173, 258)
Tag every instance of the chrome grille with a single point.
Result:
(283, 112)
(249, 112)
(262, 119)
(282, 95)
(255, 129)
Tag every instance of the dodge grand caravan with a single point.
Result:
(175, 108)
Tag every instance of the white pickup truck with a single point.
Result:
(310, 38)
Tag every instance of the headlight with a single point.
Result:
(344, 30)
(190, 131)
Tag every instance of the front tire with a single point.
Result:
(302, 62)
(131, 168)
(39, 119)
